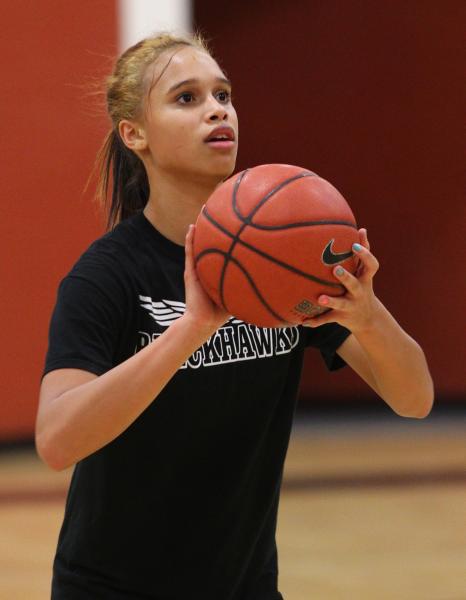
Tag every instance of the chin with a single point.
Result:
(210, 173)
(228, 173)
(220, 174)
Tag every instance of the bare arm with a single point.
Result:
(379, 350)
(393, 364)
(79, 412)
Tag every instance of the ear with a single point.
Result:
(133, 135)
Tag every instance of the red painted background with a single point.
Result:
(52, 54)
(371, 96)
(367, 94)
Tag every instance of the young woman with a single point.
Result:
(178, 439)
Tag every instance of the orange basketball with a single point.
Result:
(267, 241)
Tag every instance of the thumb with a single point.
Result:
(190, 269)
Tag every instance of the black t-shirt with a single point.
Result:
(183, 504)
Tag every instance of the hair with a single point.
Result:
(122, 182)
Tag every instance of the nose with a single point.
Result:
(216, 111)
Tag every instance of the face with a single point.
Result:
(190, 99)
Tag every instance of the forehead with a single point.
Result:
(186, 63)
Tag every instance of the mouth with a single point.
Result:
(221, 144)
(221, 137)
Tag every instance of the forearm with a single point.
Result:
(87, 417)
(398, 365)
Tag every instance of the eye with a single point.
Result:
(224, 95)
(185, 98)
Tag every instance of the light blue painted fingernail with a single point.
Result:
(339, 271)
(357, 247)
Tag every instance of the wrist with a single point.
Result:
(376, 321)
(196, 329)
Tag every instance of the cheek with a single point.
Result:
(173, 128)
(233, 117)
(233, 114)
(167, 138)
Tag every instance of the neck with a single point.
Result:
(174, 203)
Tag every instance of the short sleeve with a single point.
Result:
(328, 338)
(85, 327)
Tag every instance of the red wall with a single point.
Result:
(371, 96)
(368, 94)
(51, 52)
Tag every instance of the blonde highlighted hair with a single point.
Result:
(122, 183)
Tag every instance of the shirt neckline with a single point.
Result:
(163, 242)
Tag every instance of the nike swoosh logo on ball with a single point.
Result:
(330, 258)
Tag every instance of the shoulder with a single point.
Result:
(101, 276)
(132, 259)
(110, 258)
(111, 247)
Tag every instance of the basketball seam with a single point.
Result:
(249, 278)
(272, 192)
(301, 224)
(267, 256)
(246, 221)
(238, 181)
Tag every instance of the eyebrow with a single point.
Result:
(195, 81)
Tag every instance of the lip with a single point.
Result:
(223, 145)
(223, 130)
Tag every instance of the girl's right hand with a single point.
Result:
(199, 307)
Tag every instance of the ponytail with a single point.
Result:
(129, 182)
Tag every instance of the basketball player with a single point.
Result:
(175, 416)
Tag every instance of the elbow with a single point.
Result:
(422, 410)
(426, 398)
(427, 407)
(49, 452)
(420, 407)
(426, 401)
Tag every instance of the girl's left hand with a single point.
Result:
(357, 308)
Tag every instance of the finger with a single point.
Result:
(350, 282)
(188, 242)
(189, 263)
(334, 302)
(356, 249)
(364, 239)
(328, 317)
(369, 262)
